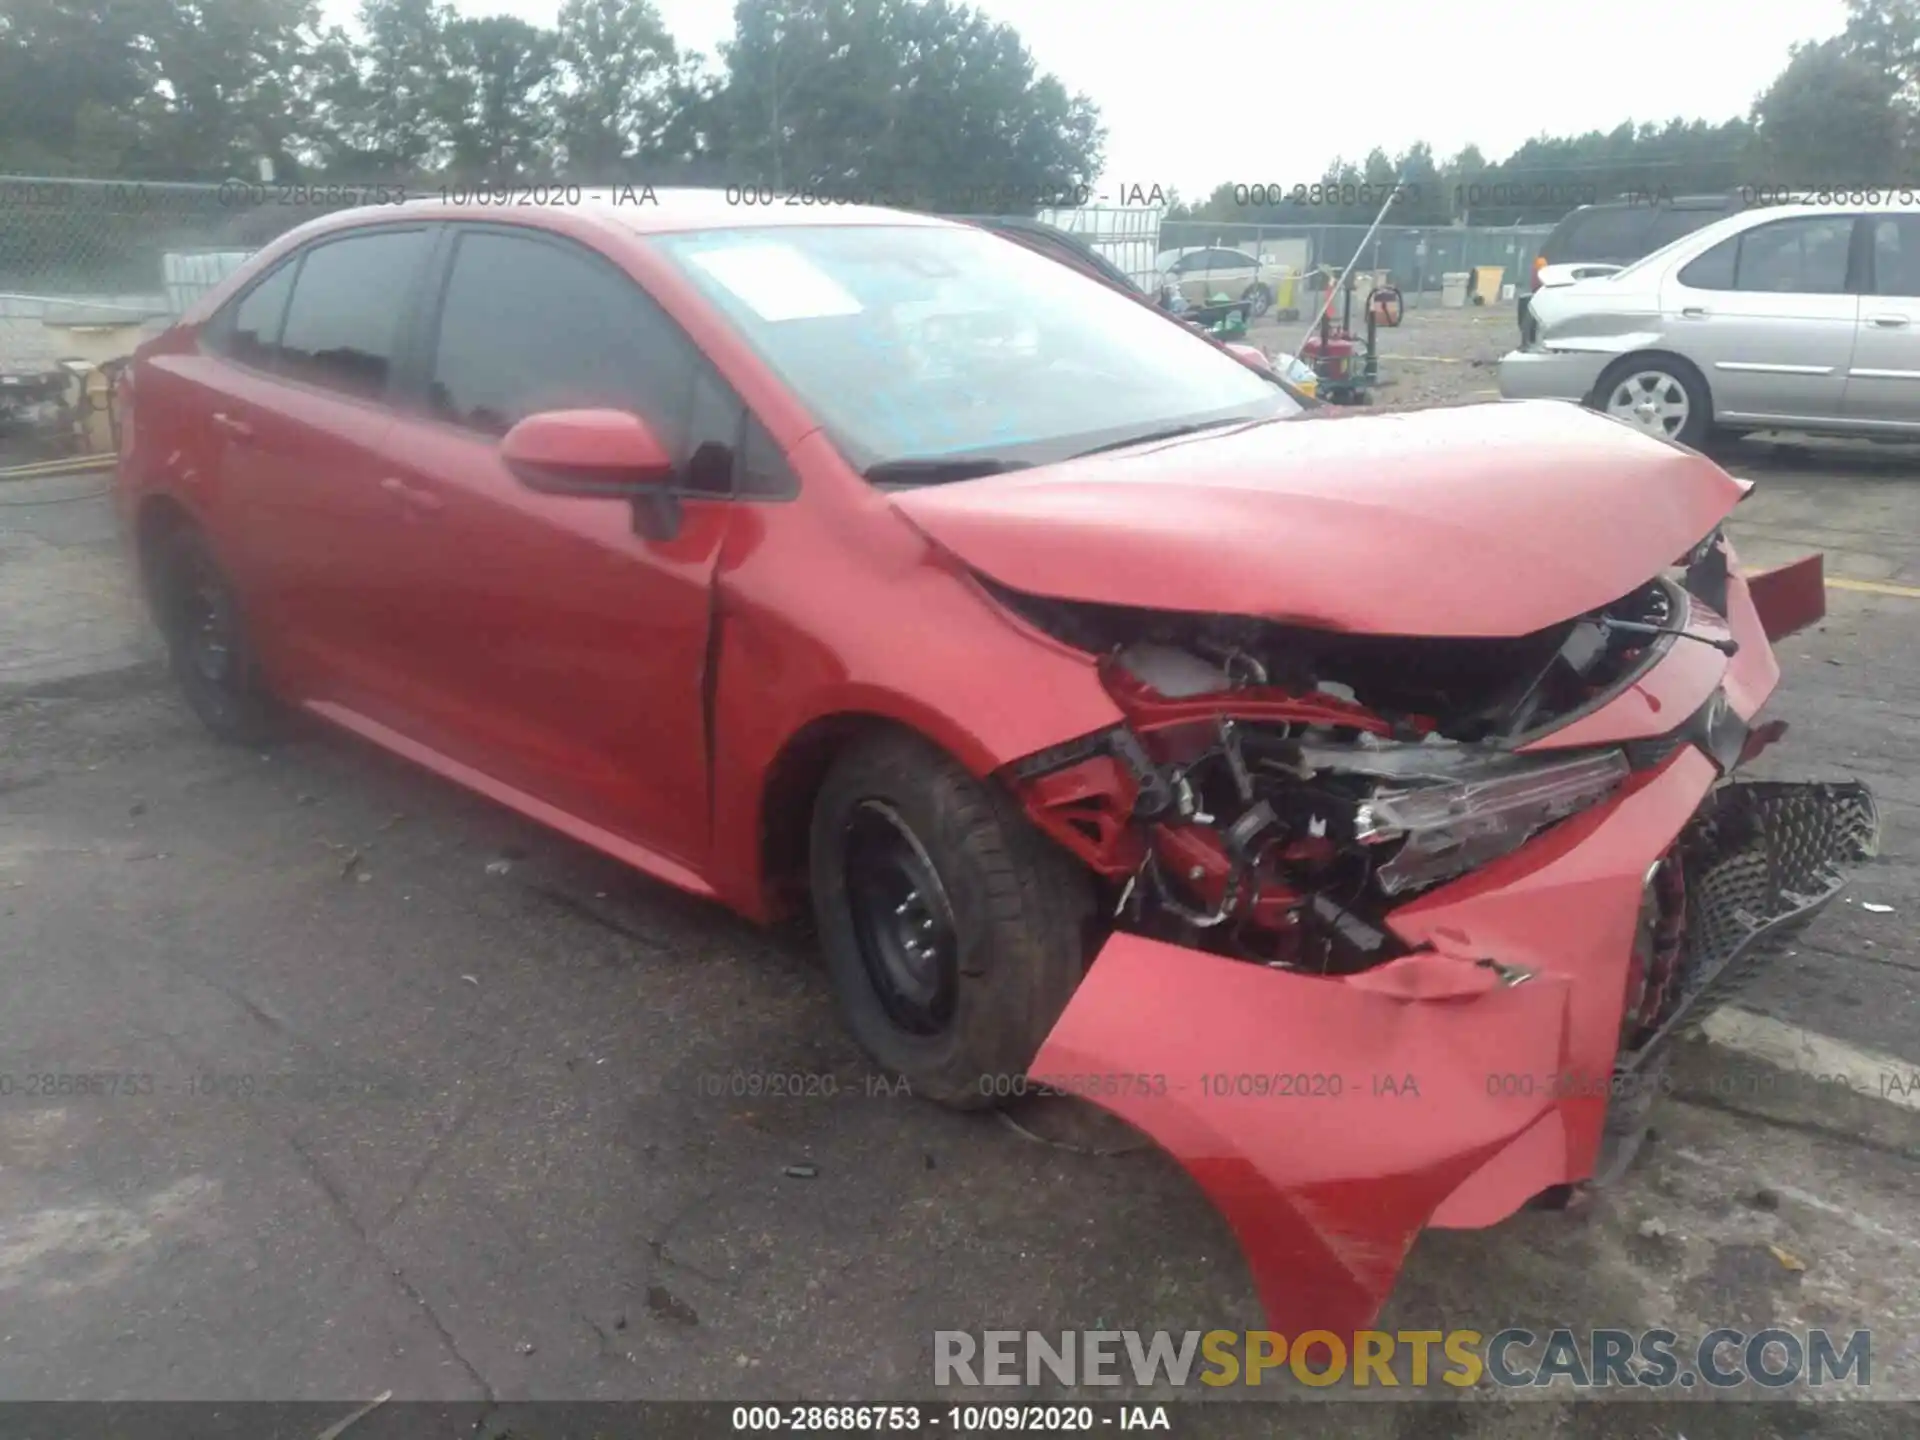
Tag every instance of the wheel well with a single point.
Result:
(159, 516)
(786, 810)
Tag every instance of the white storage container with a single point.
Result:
(1453, 289)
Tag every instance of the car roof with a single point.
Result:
(638, 209)
(1762, 214)
(656, 210)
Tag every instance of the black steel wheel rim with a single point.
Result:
(209, 628)
(902, 921)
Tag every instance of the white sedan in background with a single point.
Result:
(1200, 272)
(1796, 317)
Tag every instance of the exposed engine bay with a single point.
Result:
(1276, 790)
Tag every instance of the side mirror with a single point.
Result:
(605, 453)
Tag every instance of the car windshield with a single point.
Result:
(937, 353)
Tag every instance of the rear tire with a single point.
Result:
(208, 651)
(1660, 394)
(1258, 299)
(954, 932)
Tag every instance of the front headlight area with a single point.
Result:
(1438, 831)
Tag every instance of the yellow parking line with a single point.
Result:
(1875, 587)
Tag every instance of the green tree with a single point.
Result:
(918, 99)
(618, 68)
(70, 71)
(497, 98)
(1831, 118)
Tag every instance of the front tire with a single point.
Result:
(199, 615)
(1660, 394)
(954, 931)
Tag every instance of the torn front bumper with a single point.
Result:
(1332, 1119)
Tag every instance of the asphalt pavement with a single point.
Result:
(418, 1098)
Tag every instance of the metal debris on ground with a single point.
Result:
(1788, 1260)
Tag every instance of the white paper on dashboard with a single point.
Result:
(777, 282)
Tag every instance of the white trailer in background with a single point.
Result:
(1128, 235)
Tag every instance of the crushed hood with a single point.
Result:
(1481, 520)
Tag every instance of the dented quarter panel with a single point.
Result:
(1481, 521)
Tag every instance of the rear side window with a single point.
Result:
(349, 300)
(1807, 256)
(250, 333)
(1714, 269)
(1803, 256)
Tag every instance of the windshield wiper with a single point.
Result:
(1171, 432)
(937, 469)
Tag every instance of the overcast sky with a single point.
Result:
(1200, 92)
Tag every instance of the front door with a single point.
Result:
(555, 648)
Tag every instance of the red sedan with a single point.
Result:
(1344, 802)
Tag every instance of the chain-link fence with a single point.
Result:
(80, 259)
(1417, 258)
(85, 264)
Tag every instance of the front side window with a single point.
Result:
(529, 325)
(920, 342)
(349, 300)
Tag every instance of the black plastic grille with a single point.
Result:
(1760, 858)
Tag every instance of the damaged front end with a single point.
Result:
(1402, 925)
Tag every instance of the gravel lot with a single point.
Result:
(1434, 355)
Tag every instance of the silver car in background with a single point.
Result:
(1794, 317)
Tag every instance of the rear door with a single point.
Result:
(553, 647)
(1768, 315)
(1883, 381)
(299, 408)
